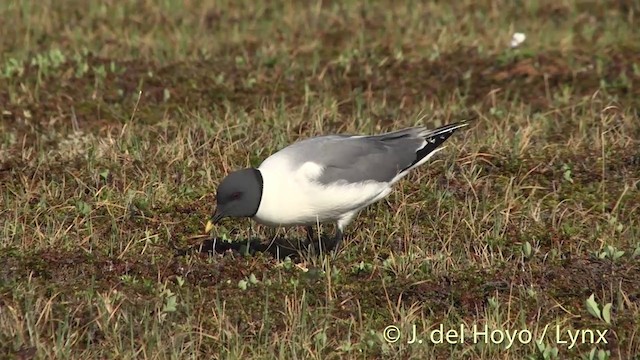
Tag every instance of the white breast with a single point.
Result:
(291, 196)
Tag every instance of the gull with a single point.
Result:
(326, 179)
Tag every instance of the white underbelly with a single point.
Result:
(293, 202)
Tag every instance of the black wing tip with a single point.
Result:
(456, 125)
(445, 130)
(434, 140)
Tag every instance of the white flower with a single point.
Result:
(517, 39)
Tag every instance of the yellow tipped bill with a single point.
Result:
(208, 227)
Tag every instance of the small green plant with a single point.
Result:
(615, 223)
(128, 279)
(347, 347)
(150, 238)
(597, 354)
(48, 61)
(545, 352)
(100, 71)
(362, 267)
(287, 263)
(247, 281)
(594, 309)
(374, 339)
(252, 279)
(531, 292)
(83, 208)
(12, 67)
(493, 303)
(566, 173)
(526, 250)
(498, 112)
(243, 284)
(404, 266)
(320, 339)
(82, 68)
(170, 301)
(636, 252)
(104, 174)
(611, 253)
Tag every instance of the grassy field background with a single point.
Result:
(119, 118)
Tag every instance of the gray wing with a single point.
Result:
(380, 158)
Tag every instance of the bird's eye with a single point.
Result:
(235, 195)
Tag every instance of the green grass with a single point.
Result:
(119, 118)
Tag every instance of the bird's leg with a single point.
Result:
(337, 239)
(311, 242)
(309, 229)
(340, 225)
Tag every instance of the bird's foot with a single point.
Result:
(310, 237)
(334, 244)
(326, 245)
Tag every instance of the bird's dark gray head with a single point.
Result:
(239, 194)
